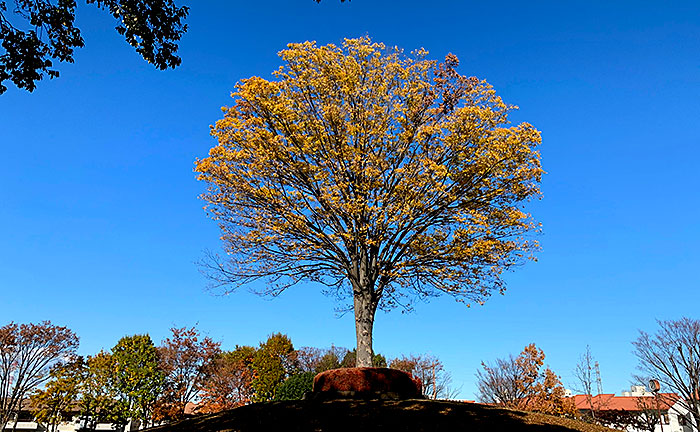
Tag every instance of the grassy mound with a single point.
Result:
(363, 416)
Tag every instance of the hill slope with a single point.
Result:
(368, 416)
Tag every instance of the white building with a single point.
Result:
(640, 405)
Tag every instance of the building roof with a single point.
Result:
(603, 402)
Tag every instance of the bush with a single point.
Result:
(294, 387)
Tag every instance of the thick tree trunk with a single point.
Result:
(365, 309)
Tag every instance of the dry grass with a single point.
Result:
(368, 416)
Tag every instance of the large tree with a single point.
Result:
(28, 352)
(35, 33)
(378, 174)
(672, 356)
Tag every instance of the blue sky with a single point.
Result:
(101, 225)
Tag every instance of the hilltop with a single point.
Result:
(413, 415)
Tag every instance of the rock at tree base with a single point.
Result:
(365, 383)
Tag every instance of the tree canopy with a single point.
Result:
(378, 174)
(35, 33)
(184, 358)
(137, 375)
(28, 353)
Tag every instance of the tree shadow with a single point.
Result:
(369, 416)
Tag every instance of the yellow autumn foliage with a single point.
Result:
(360, 166)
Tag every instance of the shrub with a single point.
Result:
(295, 386)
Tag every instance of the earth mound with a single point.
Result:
(417, 415)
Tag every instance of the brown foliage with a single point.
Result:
(185, 358)
(27, 354)
(520, 383)
(229, 381)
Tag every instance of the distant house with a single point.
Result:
(636, 410)
(72, 422)
(25, 423)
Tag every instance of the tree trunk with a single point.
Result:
(365, 308)
(4, 418)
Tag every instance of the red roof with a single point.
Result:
(603, 402)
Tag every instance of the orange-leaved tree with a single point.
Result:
(28, 352)
(184, 359)
(520, 383)
(229, 381)
(378, 174)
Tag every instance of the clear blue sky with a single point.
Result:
(100, 224)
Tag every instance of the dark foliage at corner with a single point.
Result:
(36, 32)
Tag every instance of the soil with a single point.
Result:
(376, 415)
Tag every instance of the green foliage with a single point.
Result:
(273, 363)
(349, 361)
(328, 361)
(100, 399)
(137, 375)
(36, 32)
(378, 360)
(295, 386)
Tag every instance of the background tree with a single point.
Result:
(52, 404)
(672, 356)
(137, 376)
(273, 362)
(585, 377)
(330, 359)
(380, 175)
(100, 399)
(350, 360)
(647, 418)
(184, 358)
(621, 419)
(521, 383)
(28, 352)
(34, 33)
(229, 380)
(430, 370)
(503, 382)
(308, 358)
